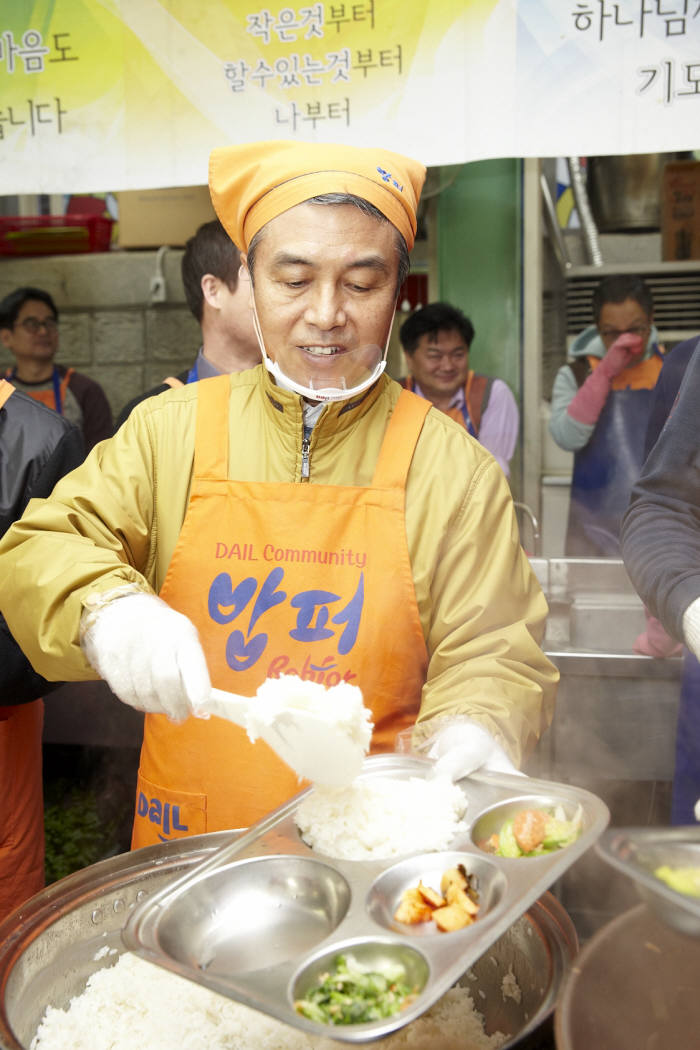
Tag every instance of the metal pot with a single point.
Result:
(48, 947)
(625, 191)
(635, 984)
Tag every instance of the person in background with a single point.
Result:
(436, 341)
(305, 516)
(655, 642)
(601, 402)
(217, 291)
(37, 447)
(29, 330)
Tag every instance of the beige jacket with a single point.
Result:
(116, 519)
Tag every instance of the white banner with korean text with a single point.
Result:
(100, 95)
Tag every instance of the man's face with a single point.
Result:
(34, 335)
(440, 363)
(325, 292)
(625, 317)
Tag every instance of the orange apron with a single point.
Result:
(475, 390)
(22, 823)
(643, 376)
(54, 398)
(281, 578)
(6, 391)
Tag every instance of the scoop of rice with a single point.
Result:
(135, 1005)
(373, 819)
(340, 706)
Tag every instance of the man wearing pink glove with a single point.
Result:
(600, 408)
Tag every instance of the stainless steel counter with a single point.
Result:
(614, 725)
(591, 662)
(616, 710)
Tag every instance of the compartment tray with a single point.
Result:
(262, 912)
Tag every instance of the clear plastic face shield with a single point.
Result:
(328, 373)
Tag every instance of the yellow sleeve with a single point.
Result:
(487, 622)
(93, 534)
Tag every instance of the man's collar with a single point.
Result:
(205, 368)
(457, 400)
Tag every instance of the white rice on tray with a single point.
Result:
(136, 1005)
(373, 819)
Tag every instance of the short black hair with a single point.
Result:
(209, 250)
(431, 319)
(13, 303)
(617, 288)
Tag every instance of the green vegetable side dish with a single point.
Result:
(535, 832)
(682, 880)
(352, 993)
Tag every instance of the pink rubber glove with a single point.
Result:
(655, 641)
(588, 402)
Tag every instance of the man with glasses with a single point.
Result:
(29, 330)
(436, 342)
(601, 402)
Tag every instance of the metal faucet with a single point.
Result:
(529, 513)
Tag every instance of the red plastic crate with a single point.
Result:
(54, 234)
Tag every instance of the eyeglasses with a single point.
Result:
(33, 324)
(613, 334)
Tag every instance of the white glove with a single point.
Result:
(691, 627)
(463, 747)
(149, 655)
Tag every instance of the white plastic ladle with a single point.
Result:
(299, 725)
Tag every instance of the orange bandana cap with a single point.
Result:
(253, 183)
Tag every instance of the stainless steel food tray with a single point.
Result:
(261, 918)
(637, 852)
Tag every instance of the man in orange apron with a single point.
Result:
(305, 516)
(436, 342)
(29, 330)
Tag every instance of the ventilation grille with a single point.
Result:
(676, 301)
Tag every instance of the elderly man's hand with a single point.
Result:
(149, 655)
(463, 747)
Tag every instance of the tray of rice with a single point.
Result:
(665, 865)
(350, 911)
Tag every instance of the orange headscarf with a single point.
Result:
(252, 183)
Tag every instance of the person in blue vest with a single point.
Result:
(601, 403)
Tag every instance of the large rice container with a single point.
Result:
(52, 944)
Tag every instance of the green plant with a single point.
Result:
(74, 833)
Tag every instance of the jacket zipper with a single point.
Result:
(305, 446)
